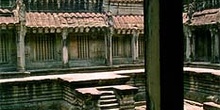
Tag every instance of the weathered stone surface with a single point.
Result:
(201, 84)
(211, 106)
(49, 93)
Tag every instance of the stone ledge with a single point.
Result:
(211, 106)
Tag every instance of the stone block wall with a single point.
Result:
(201, 86)
(138, 80)
(30, 95)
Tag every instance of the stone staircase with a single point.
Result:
(108, 100)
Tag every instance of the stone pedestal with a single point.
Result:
(125, 96)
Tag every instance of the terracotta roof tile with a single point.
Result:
(128, 22)
(7, 17)
(205, 17)
(126, 1)
(36, 19)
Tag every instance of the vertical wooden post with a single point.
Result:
(153, 55)
(64, 48)
(134, 45)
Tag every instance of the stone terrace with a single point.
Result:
(76, 91)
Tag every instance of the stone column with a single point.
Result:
(108, 45)
(189, 43)
(215, 45)
(65, 58)
(134, 45)
(192, 46)
(20, 16)
(21, 48)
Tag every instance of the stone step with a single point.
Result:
(110, 92)
(107, 97)
(109, 106)
(108, 101)
(107, 93)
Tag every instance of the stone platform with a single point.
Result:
(68, 91)
(202, 85)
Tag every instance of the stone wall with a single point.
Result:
(30, 95)
(41, 95)
(53, 93)
(138, 80)
(201, 86)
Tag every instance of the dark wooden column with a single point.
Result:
(153, 55)
(134, 45)
(65, 53)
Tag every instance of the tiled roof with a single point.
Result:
(8, 20)
(3, 11)
(7, 17)
(128, 22)
(60, 20)
(205, 17)
(126, 1)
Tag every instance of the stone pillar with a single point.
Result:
(192, 46)
(21, 49)
(65, 58)
(189, 43)
(20, 16)
(108, 45)
(215, 45)
(126, 98)
(134, 45)
(108, 38)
